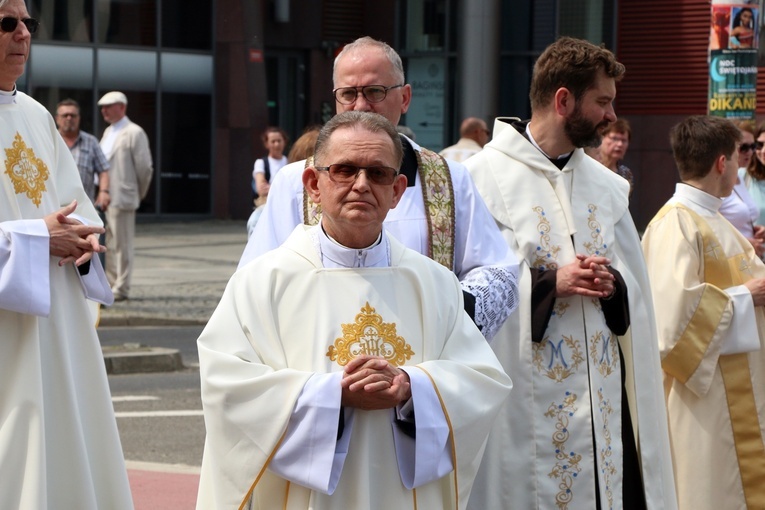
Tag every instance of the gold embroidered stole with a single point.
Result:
(575, 369)
(438, 196)
(725, 272)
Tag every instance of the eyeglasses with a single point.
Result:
(618, 139)
(68, 115)
(746, 147)
(346, 174)
(758, 145)
(372, 93)
(9, 24)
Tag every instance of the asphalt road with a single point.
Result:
(159, 417)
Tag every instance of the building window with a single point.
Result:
(128, 22)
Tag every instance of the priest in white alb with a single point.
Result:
(709, 289)
(340, 370)
(59, 446)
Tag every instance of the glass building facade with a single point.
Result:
(160, 54)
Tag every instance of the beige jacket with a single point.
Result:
(131, 167)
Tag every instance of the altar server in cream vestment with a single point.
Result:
(340, 370)
(585, 426)
(709, 289)
(440, 213)
(59, 447)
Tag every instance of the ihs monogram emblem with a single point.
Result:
(27, 172)
(371, 336)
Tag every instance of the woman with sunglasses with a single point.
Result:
(739, 207)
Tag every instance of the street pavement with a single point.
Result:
(180, 272)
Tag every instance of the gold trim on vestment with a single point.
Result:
(451, 437)
(747, 434)
(248, 496)
(27, 172)
(685, 357)
(438, 196)
(369, 335)
(746, 427)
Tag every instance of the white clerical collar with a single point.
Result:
(8, 97)
(335, 255)
(535, 144)
(698, 197)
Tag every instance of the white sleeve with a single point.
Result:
(94, 284)
(311, 455)
(258, 168)
(478, 241)
(281, 214)
(428, 457)
(483, 262)
(742, 335)
(24, 267)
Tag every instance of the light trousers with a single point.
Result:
(120, 234)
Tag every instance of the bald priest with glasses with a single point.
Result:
(340, 370)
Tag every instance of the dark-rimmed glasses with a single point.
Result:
(746, 147)
(372, 93)
(346, 174)
(9, 24)
(758, 145)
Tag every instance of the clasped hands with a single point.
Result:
(371, 382)
(70, 239)
(587, 276)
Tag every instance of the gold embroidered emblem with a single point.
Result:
(546, 254)
(608, 468)
(597, 246)
(371, 336)
(27, 172)
(563, 360)
(567, 466)
(605, 358)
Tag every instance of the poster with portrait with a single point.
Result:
(734, 39)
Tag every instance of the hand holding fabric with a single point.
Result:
(70, 239)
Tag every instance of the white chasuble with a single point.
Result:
(711, 338)
(59, 447)
(561, 426)
(284, 318)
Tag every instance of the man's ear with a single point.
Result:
(720, 164)
(311, 183)
(564, 102)
(399, 187)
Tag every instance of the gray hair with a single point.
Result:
(368, 121)
(363, 43)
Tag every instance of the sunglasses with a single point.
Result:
(758, 145)
(746, 147)
(346, 174)
(9, 24)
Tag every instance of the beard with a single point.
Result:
(581, 131)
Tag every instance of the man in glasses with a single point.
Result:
(88, 155)
(383, 395)
(586, 421)
(441, 214)
(59, 446)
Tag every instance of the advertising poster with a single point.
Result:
(733, 41)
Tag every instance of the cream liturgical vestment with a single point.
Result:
(711, 337)
(288, 319)
(59, 447)
(561, 427)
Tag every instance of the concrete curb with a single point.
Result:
(132, 359)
